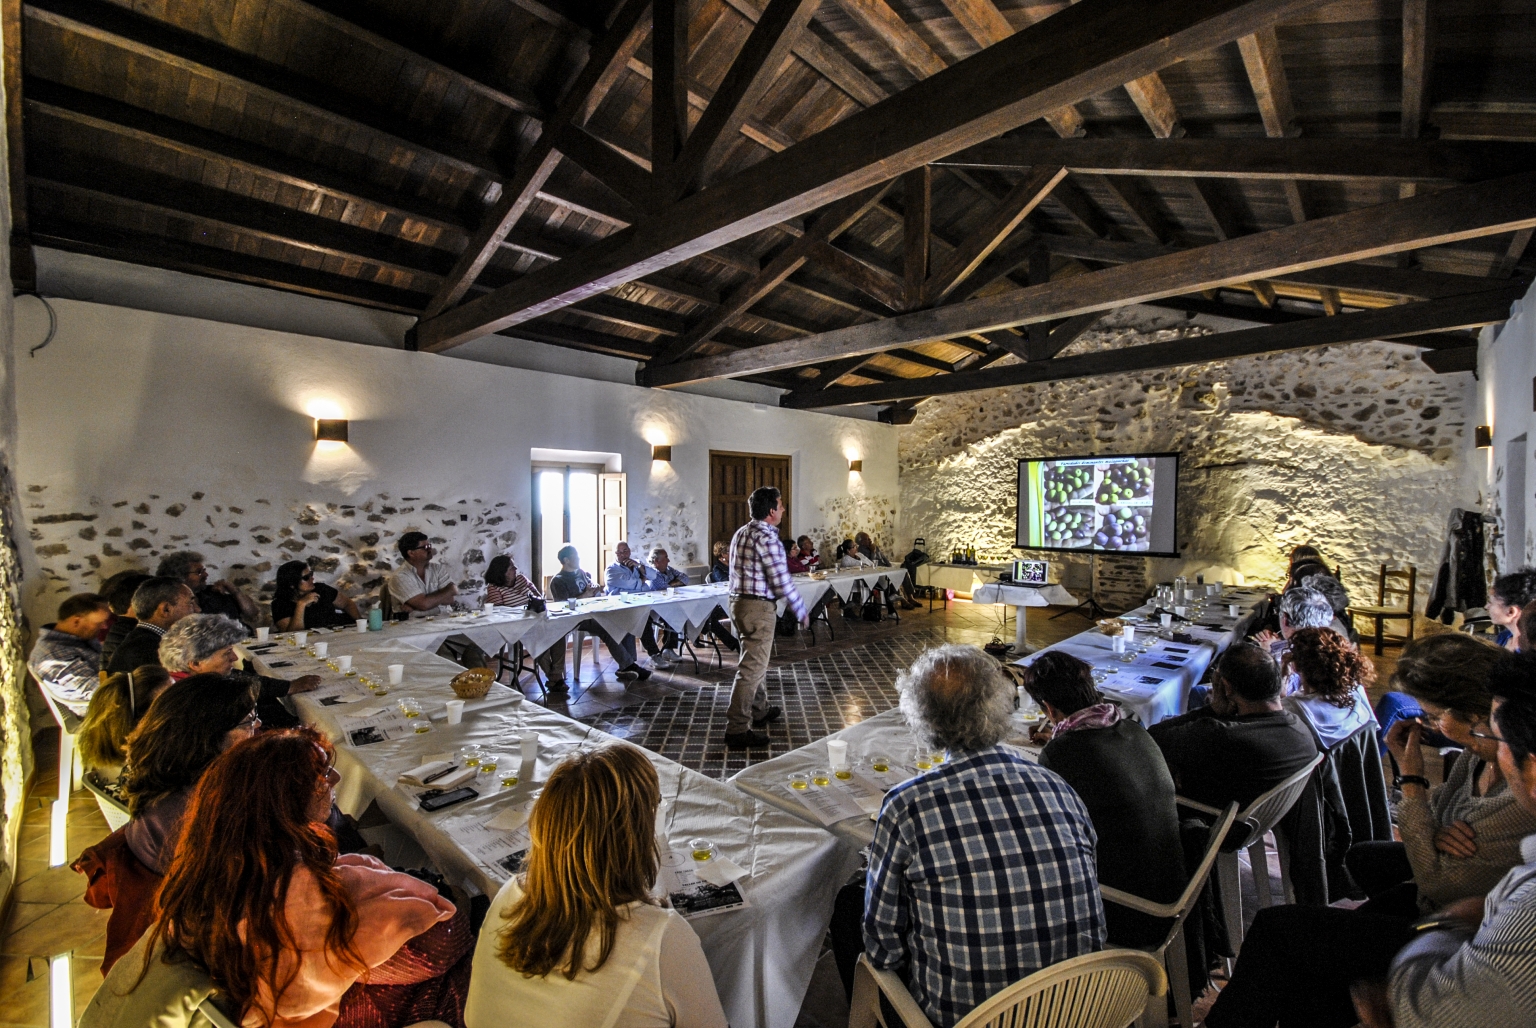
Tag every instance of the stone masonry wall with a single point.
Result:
(1358, 450)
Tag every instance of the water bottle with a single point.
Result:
(376, 620)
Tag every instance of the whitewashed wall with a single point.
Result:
(143, 432)
(1505, 401)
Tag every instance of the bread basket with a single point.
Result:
(472, 684)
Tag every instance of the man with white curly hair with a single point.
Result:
(205, 644)
(983, 869)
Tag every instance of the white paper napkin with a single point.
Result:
(416, 775)
(720, 871)
(510, 819)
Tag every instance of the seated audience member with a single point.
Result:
(420, 583)
(506, 586)
(1299, 608)
(219, 598)
(119, 590)
(293, 935)
(116, 708)
(663, 576)
(719, 566)
(1298, 964)
(1117, 770)
(159, 603)
(1305, 554)
(1475, 967)
(66, 659)
(988, 838)
(1510, 593)
(1331, 588)
(1332, 679)
(185, 728)
(204, 644)
(868, 549)
(299, 602)
(1244, 743)
(578, 938)
(1458, 839)
(627, 575)
(570, 583)
(803, 559)
(848, 556)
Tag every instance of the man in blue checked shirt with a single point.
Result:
(982, 871)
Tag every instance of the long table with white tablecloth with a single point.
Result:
(761, 954)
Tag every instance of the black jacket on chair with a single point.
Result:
(138, 648)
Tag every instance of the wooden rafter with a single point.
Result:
(1404, 320)
(23, 263)
(1482, 209)
(1418, 49)
(917, 232)
(1272, 92)
(994, 229)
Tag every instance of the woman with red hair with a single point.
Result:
(293, 935)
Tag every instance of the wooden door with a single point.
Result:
(732, 477)
(612, 522)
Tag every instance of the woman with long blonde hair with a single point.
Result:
(578, 937)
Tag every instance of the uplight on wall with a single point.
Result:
(856, 466)
(1482, 436)
(61, 987)
(662, 453)
(330, 430)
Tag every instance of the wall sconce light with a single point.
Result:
(661, 453)
(1482, 435)
(856, 465)
(330, 430)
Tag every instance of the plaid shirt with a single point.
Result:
(67, 666)
(981, 873)
(758, 567)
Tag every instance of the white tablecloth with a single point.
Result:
(884, 734)
(1155, 685)
(761, 956)
(1020, 597)
(961, 578)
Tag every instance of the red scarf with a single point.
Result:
(1100, 715)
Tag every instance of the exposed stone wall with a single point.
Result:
(1359, 450)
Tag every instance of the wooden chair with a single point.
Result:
(1395, 592)
(1110, 989)
(1171, 952)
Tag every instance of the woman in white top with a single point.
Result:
(850, 557)
(1333, 678)
(578, 939)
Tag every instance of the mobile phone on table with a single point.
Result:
(448, 799)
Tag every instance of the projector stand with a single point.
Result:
(1089, 608)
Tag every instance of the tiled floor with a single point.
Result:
(822, 687)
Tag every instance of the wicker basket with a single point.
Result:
(472, 684)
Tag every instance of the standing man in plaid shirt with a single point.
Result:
(759, 579)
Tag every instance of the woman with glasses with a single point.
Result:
(1459, 838)
(300, 603)
(183, 732)
(292, 933)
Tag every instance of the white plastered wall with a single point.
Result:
(1506, 401)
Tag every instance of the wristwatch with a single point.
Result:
(1402, 780)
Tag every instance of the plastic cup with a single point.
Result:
(879, 764)
(300, 638)
(362, 624)
(410, 706)
(455, 711)
(837, 752)
(488, 763)
(322, 649)
(799, 780)
(1166, 619)
(821, 776)
(470, 755)
(261, 634)
(1232, 610)
(344, 663)
(396, 673)
(530, 747)
(1117, 643)
(671, 590)
(1181, 610)
(701, 849)
(488, 608)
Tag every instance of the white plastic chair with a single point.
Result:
(1261, 816)
(113, 809)
(1097, 990)
(70, 768)
(1171, 951)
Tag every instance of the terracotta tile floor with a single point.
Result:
(46, 914)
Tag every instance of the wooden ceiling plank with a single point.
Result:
(917, 232)
(885, 25)
(828, 226)
(1466, 212)
(1418, 49)
(757, 64)
(1405, 319)
(1142, 214)
(997, 226)
(868, 279)
(534, 169)
(1318, 158)
(1080, 52)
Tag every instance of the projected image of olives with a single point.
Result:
(1113, 504)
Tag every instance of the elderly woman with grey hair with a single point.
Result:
(205, 644)
(988, 837)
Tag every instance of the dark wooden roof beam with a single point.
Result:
(996, 227)
(1466, 212)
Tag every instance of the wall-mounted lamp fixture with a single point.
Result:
(661, 453)
(1482, 435)
(330, 430)
(856, 465)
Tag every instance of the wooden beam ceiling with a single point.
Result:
(1084, 50)
(1488, 208)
